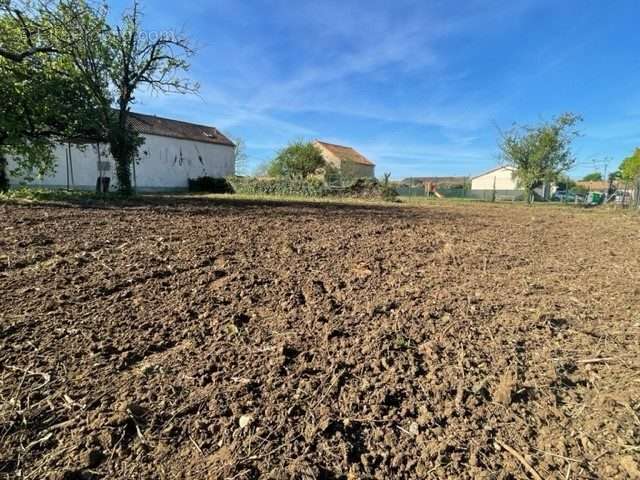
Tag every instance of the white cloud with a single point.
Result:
(303, 58)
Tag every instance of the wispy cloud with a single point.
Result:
(390, 79)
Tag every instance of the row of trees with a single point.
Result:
(69, 74)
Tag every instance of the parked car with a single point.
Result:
(623, 197)
(559, 196)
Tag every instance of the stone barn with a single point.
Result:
(173, 151)
(351, 163)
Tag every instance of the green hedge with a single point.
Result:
(210, 185)
(313, 187)
(280, 186)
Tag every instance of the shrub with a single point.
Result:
(210, 185)
(314, 187)
(389, 193)
(280, 186)
(371, 188)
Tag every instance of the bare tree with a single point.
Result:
(140, 61)
(240, 157)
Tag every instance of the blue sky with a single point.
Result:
(420, 87)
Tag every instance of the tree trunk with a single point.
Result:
(4, 176)
(123, 173)
(123, 149)
(530, 196)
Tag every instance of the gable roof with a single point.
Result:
(507, 167)
(165, 127)
(346, 153)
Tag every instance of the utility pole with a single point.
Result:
(607, 160)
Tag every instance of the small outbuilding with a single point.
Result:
(348, 161)
(173, 151)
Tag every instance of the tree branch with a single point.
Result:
(21, 56)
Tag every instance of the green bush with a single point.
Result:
(210, 185)
(280, 186)
(387, 190)
(314, 187)
(371, 188)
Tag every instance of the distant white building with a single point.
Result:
(173, 152)
(499, 178)
(502, 181)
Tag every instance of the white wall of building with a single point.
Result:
(503, 178)
(165, 163)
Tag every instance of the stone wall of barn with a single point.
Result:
(356, 170)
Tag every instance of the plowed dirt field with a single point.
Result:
(210, 339)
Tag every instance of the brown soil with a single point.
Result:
(210, 340)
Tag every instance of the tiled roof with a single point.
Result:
(346, 153)
(165, 127)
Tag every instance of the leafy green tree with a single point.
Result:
(540, 153)
(113, 62)
(44, 97)
(298, 160)
(565, 183)
(592, 177)
(630, 167)
(29, 32)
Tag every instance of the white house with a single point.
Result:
(173, 152)
(502, 181)
(499, 178)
